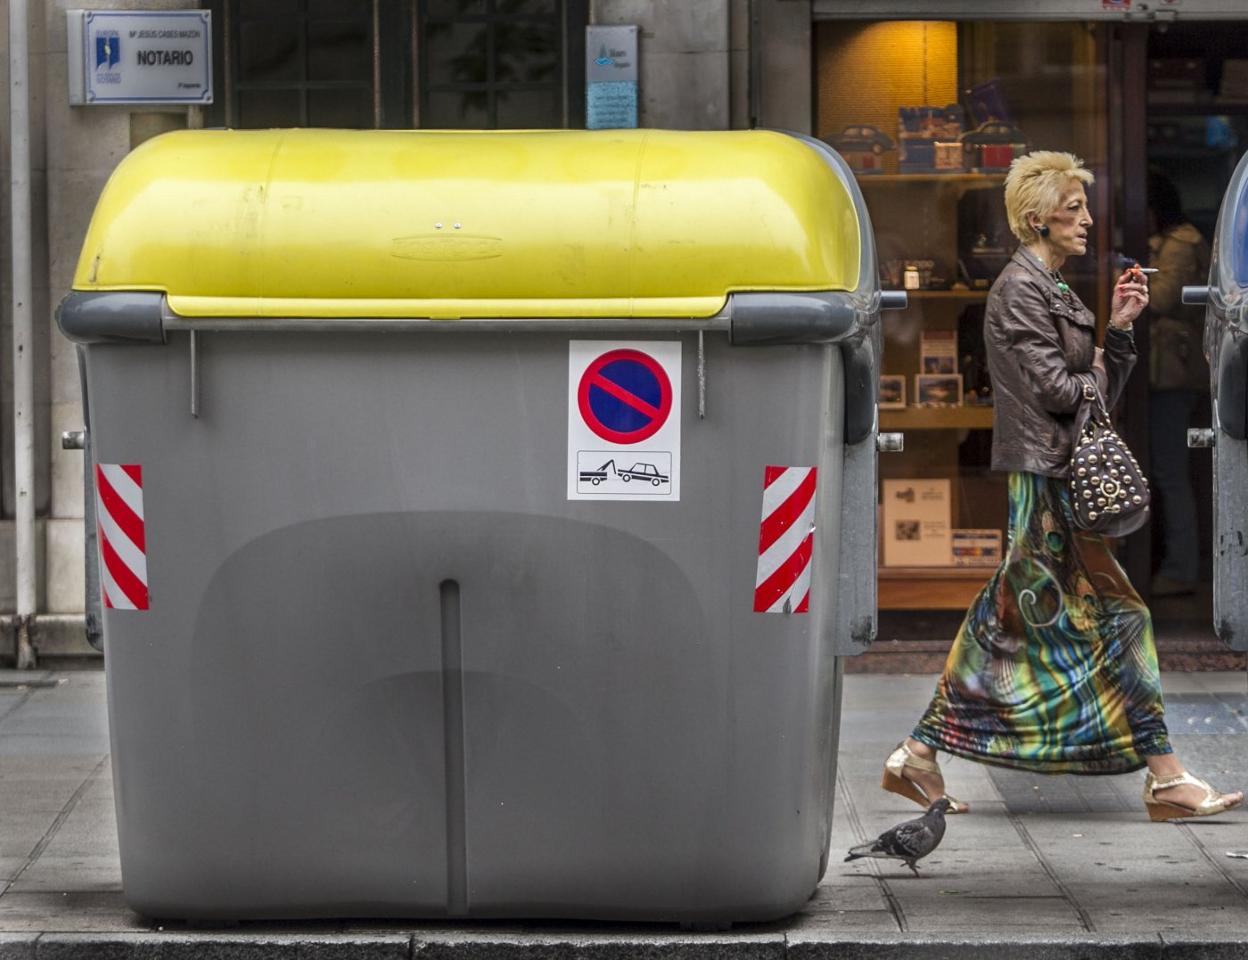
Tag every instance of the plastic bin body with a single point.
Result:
(389, 669)
(1226, 345)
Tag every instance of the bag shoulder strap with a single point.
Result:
(1092, 394)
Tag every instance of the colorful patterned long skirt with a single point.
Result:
(1054, 668)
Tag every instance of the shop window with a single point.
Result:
(312, 63)
(501, 63)
(352, 63)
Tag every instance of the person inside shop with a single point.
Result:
(1178, 376)
(1054, 669)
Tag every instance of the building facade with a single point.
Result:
(1105, 79)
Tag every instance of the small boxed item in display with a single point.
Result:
(938, 351)
(920, 129)
(976, 548)
(1176, 79)
(1234, 87)
(948, 156)
(992, 146)
(915, 523)
(862, 146)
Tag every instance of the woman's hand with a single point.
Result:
(1130, 298)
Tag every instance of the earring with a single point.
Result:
(1043, 230)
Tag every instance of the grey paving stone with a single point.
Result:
(858, 893)
(71, 912)
(23, 678)
(957, 915)
(841, 923)
(1126, 873)
(83, 855)
(1203, 714)
(33, 799)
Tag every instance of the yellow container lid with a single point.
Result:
(334, 223)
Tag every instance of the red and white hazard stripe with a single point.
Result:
(123, 546)
(786, 540)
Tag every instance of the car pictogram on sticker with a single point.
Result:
(643, 471)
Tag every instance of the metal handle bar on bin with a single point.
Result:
(137, 317)
(1196, 295)
(749, 319)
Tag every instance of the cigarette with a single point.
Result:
(1145, 269)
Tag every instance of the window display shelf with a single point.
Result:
(1203, 108)
(937, 418)
(944, 294)
(930, 588)
(870, 178)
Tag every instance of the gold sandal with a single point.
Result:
(895, 780)
(1213, 804)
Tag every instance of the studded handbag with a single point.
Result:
(1108, 491)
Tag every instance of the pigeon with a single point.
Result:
(908, 842)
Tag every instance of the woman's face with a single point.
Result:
(1069, 223)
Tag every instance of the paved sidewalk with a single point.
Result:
(1044, 867)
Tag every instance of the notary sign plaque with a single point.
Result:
(140, 56)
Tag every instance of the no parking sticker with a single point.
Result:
(623, 420)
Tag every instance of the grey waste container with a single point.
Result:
(482, 518)
(1226, 345)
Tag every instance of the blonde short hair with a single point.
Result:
(1035, 184)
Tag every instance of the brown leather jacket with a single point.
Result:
(1040, 345)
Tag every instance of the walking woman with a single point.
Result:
(1054, 668)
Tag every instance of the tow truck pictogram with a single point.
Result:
(596, 477)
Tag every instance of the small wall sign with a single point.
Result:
(139, 56)
(611, 77)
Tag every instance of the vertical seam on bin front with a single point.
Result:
(194, 361)
(453, 739)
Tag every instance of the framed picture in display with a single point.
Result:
(938, 389)
(892, 391)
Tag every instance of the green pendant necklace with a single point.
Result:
(1062, 286)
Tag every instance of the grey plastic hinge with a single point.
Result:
(759, 319)
(1199, 438)
(1196, 295)
(890, 442)
(115, 317)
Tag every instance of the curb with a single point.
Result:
(601, 946)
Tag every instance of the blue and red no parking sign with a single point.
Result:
(625, 396)
(624, 420)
